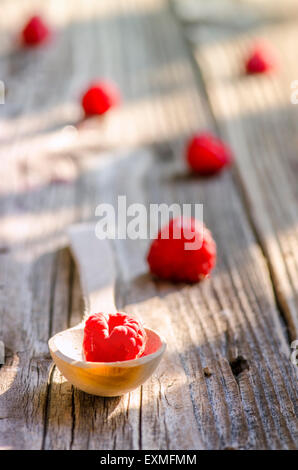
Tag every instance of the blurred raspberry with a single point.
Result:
(113, 337)
(35, 31)
(168, 257)
(99, 98)
(260, 60)
(206, 154)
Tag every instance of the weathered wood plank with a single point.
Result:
(236, 15)
(50, 209)
(233, 315)
(249, 409)
(255, 114)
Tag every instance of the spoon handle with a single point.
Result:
(96, 264)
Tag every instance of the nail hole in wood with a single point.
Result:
(207, 372)
(239, 365)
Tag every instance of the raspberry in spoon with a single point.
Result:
(113, 337)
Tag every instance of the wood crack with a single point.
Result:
(140, 418)
(47, 406)
(73, 417)
(52, 292)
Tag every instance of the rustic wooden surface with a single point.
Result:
(227, 380)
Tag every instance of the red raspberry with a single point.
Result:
(99, 98)
(113, 337)
(260, 60)
(169, 258)
(206, 154)
(35, 32)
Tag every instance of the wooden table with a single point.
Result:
(227, 380)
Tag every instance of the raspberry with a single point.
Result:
(206, 154)
(35, 31)
(260, 60)
(169, 258)
(113, 337)
(99, 98)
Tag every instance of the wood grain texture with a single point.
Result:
(257, 117)
(227, 380)
(234, 14)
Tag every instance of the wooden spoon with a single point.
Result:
(96, 265)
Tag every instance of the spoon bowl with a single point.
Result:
(106, 379)
(95, 261)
